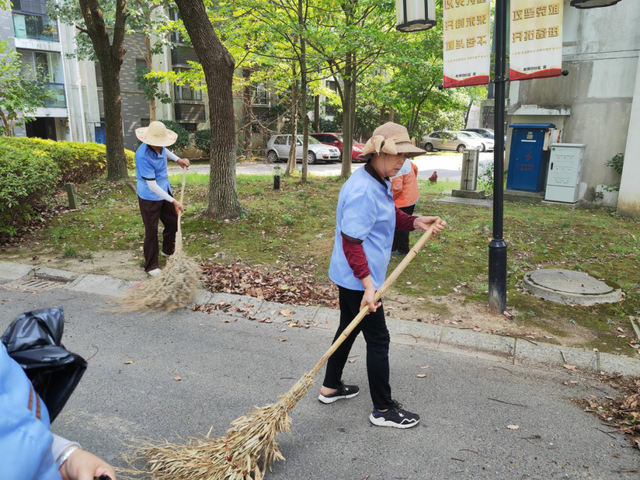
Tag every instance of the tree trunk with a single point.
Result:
(218, 66)
(305, 95)
(316, 113)
(347, 124)
(291, 165)
(149, 60)
(392, 114)
(110, 55)
(246, 115)
(303, 106)
(113, 122)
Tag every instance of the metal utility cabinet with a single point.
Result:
(565, 169)
(529, 156)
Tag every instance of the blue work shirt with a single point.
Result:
(25, 440)
(366, 212)
(151, 166)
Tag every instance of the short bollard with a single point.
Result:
(276, 177)
(71, 194)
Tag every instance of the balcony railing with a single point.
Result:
(37, 27)
(58, 99)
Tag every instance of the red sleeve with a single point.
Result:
(404, 222)
(356, 258)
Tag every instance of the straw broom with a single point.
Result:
(175, 287)
(251, 441)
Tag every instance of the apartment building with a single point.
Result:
(75, 112)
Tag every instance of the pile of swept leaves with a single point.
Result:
(622, 414)
(292, 285)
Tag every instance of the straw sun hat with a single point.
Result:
(390, 138)
(156, 134)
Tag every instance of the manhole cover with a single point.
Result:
(570, 287)
(34, 284)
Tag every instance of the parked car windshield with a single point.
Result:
(475, 136)
(311, 139)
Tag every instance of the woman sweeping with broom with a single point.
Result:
(154, 191)
(366, 219)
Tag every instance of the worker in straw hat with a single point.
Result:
(366, 219)
(154, 191)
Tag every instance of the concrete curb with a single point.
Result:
(435, 337)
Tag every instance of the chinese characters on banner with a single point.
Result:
(536, 39)
(467, 42)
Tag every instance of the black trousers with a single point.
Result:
(401, 238)
(374, 329)
(151, 212)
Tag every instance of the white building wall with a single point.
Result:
(593, 104)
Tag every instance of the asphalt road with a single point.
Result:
(447, 166)
(466, 402)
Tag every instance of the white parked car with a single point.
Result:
(458, 141)
(487, 143)
(278, 148)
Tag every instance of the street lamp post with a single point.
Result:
(498, 247)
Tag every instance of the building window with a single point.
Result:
(259, 95)
(185, 92)
(186, 113)
(176, 37)
(47, 68)
(30, 20)
(141, 70)
(144, 122)
(190, 127)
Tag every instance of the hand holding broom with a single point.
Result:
(251, 441)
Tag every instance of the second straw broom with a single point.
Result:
(249, 446)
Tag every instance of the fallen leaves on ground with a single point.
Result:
(177, 379)
(621, 414)
(421, 375)
(573, 368)
(513, 427)
(128, 362)
(291, 285)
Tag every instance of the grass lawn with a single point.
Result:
(446, 283)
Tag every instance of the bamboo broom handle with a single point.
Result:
(184, 180)
(381, 291)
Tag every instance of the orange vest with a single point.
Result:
(405, 188)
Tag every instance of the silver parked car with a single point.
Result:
(458, 141)
(278, 148)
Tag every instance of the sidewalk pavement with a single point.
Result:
(436, 337)
(169, 375)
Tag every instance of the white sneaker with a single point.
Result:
(164, 254)
(155, 272)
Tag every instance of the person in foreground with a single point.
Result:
(366, 219)
(28, 449)
(154, 192)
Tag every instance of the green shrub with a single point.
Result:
(28, 179)
(203, 140)
(183, 141)
(78, 162)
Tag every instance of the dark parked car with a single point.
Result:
(336, 140)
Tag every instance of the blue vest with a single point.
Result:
(365, 211)
(151, 166)
(25, 441)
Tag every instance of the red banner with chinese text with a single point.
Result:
(467, 45)
(536, 39)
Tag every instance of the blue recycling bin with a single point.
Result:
(528, 161)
